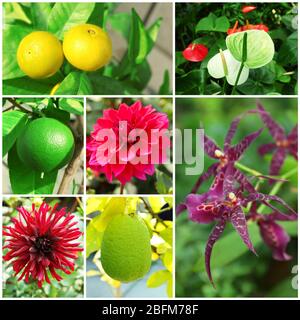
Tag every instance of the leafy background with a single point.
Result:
(236, 271)
(156, 212)
(72, 285)
(207, 23)
(16, 114)
(160, 182)
(127, 74)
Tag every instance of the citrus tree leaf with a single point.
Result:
(96, 204)
(75, 83)
(13, 122)
(97, 16)
(97, 226)
(167, 235)
(165, 86)
(27, 86)
(65, 15)
(12, 36)
(139, 40)
(24, 180)
(158, 278)
(72, 105)
(168, 260)
(156, 203)
(40, 12)
(120, 22)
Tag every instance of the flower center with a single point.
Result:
(43, 244)
(283, 143)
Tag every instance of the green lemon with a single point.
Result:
(45, 144)
(126, 249)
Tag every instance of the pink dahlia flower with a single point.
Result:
(41, 242)
(128, 142)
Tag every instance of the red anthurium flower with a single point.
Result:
(41, 242)
(259, 26)
(247, 9)
(195, 52)
(248, 26)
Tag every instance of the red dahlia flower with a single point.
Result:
(41, 242)
(195, 52)
(127, 142)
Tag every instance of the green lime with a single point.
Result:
(45, 144)
(126, 249)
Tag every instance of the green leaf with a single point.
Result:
(167, 235)
(139, 40)
(75, 83)
(13, 122)
(179, 58)
(153, 31)
(158, 278)
(212, 23)
(140, 76)
(120, 22)
(288, 52)
(65, 15)
(52, 112)
(188, 81)
(93, 240)
(40, 12)
(165, 86)
(27, 86)
(97, 16)
(71, 105)
(12, 36)
(14, 12)
(163, 183)
(24, 180)
(106, 85)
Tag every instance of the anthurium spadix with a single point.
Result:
(223, 64)
(260, 47)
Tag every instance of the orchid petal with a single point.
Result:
(197, 213)
(266, 148)
(204, 176)
(210, 147)
(213, 237)
(277, 161)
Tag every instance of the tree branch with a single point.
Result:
(75, 162)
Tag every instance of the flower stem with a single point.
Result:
(237, 78)
(247, 169)
(277, 186)
(122, 188)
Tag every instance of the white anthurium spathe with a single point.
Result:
(260, 47)
(223, 64)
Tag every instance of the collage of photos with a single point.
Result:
(136, 165)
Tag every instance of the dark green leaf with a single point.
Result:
(13, 122)
(120, 21)
(27, 86)
(188, 81)
(288, 52)
(24, 180)
(71, 105)
(165, 86)
(40, 12)
(65, 15)
(12, 36)
(97, 16)
(75, 83)
(212, 23)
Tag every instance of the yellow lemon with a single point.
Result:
(87, 47)
(40, 55)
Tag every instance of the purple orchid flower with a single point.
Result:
(273, 234)
(228, 154)
(283, 144)
(223, 203)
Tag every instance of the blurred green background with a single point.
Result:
(160, 182)
(242, 275)
(72, 285)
